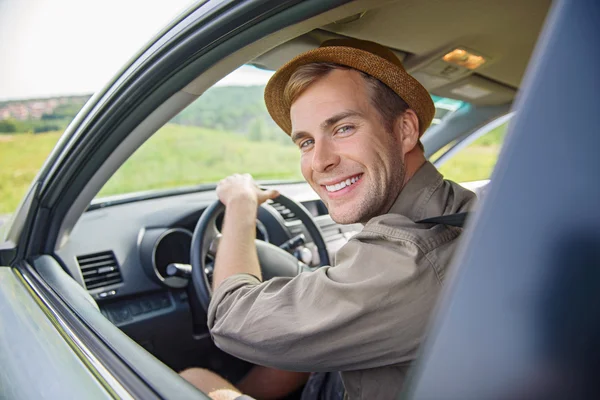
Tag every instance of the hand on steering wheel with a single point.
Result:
(238, 186)
(273, 260)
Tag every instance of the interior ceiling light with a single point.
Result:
(464, 58)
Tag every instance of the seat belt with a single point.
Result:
(457, 219)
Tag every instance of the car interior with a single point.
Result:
(117, 250)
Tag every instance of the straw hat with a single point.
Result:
(369, 57)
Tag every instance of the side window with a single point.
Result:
(473, 160)
(226, 130)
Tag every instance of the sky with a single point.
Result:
(68, 47)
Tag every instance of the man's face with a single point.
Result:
(348, 157)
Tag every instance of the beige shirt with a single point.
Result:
(367, 315)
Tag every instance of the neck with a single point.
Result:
(413, 160)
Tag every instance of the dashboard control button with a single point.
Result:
(121, 314)
(104, 295)
(304, 254)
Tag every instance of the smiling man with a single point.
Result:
(356, 117)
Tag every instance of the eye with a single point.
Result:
(344, 129)
(305, 144)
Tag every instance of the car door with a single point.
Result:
(39, 358)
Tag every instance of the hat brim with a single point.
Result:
(395, 77)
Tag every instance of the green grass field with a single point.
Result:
(21, 156)
(472, 164)
(184, 156)
(175, 156)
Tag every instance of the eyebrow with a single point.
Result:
(327, 123)
(338, 117)
(299, 135)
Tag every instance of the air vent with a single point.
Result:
(99, 269)
(285, 212)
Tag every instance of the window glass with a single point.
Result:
(476, 160)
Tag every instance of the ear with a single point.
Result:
(408, 127)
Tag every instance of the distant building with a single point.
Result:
(35, 109)
(19, 111)
(39, 108)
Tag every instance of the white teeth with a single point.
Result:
(342, 184)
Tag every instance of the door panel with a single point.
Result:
(139, 371)
(37, 362)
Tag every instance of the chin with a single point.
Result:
(344, 218)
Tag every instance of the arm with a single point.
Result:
(368, 311)
(237, 252)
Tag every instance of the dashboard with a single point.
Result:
(120, 254)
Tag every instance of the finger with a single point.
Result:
(267, 194)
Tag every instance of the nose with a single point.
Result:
(325, 157)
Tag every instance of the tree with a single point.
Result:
(7, 126)
(257, 130)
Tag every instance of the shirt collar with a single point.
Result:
(413, 197)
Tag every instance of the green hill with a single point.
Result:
(239, 109)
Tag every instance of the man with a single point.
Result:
(356, 117)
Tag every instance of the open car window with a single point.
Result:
(226, 130)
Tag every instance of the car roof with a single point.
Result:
(504, 33)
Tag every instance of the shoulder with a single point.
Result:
(401, 229)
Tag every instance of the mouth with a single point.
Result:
(343, 186)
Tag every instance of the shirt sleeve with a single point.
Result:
(368, 311)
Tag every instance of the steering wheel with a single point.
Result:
(273, 260)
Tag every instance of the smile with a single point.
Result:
(342, 184)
